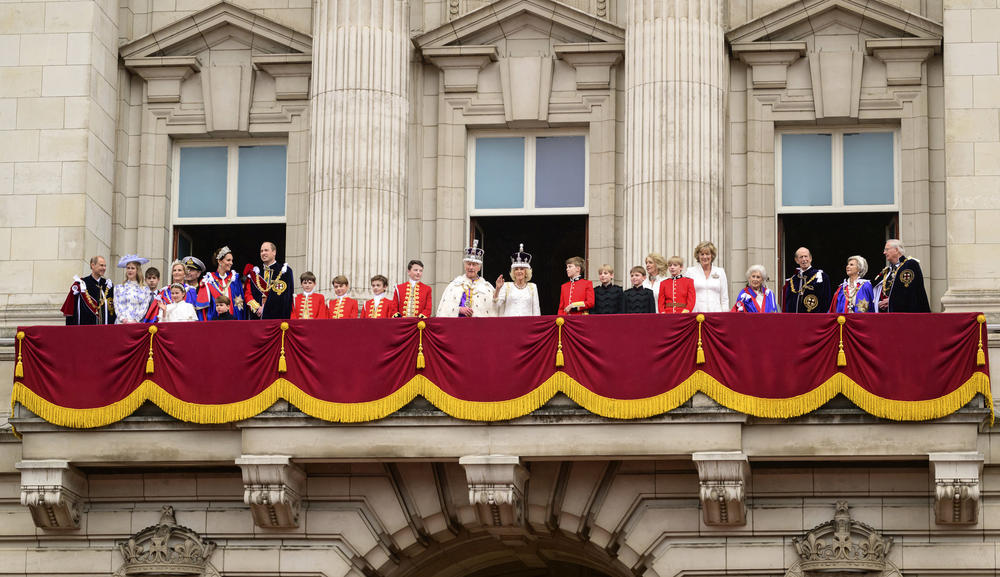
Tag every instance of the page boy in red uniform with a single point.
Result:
(308, 304)
(412, 298)
(576, 296)
(677, 292)
(379, 306)
(341, 306)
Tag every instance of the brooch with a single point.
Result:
(906, 277)
(715, 275)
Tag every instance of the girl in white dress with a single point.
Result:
(518, 298)
(711, 288)
(179, 310)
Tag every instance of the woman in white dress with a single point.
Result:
(711, 287)
(520, 297)
(132, 297)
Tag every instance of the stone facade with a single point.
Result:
(377, 103)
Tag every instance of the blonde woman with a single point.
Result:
(520, 297)
(656, 273)
(132, 297)
(710, 284)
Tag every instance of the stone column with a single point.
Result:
(358, 140)
(972, 158)
(675, 81)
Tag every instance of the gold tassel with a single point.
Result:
(980, 355)
(560, 359)
(19, 367)
(841, 355)
(699, 358)
(421, 363)
(282, 364)
(149, 361)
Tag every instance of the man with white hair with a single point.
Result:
(808, 290)
(469, 295)
(899, 288)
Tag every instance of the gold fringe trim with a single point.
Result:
(700, 381)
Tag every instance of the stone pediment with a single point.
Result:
(867, 18)
(217, 27)
(508, 19)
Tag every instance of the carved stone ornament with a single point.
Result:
(496, 489)
(52, 490)
(273, 487)
(956, 487)
(844, 545)
(167, 549)
(723, 477)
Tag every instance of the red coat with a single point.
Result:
(579, 293)
(384, 310)
(342, 308)
(676, 296)
(309, 307)
(408, 304)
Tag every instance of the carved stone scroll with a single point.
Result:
(273, 487)
(723, 477)
(53, 491)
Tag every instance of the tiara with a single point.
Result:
(474, 253)
(520, 259)
(222, 253)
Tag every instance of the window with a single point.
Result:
(534, 173)
(849, 170)
(230, 182)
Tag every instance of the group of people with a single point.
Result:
(662, 286)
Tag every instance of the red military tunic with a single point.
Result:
(412, 300)
(676, 295)
(342, 308)
(383, 310)
(579, 293)
(311, 306)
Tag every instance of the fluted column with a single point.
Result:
(675, 79)
(358, 155)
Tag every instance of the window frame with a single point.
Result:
(232, 180)
(837, 165)
(530, 154)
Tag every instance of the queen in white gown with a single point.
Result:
(520, 297)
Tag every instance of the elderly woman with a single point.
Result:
(518, 298)
(223, 282)
(756, 297)
(710, 284)
(132, 297)
(855, 294)
(656, 273)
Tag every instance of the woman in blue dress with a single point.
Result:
(855, 294)
(756, 297)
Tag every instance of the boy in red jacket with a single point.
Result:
(677, 292)
(412, 298)
(341, 306)
(308, 304)
(576, 296)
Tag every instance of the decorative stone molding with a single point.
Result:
(53, 491)
(273, 487)
(843, 544)
(291, 73)
(723, 477)
(167, 549)
(957, 487)
(769, 61)
(903, 57)
(164, 75)
(592, 61)
(496, 489)
(460, 65)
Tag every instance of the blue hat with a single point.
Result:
(123, 261)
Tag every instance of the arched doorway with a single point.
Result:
(485, 555)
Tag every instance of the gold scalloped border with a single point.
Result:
(366, 411)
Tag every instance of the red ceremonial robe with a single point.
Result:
(311, 306)
(676, 295)
(412, 300)
(383, 310)
(342, 308)
(579, 293)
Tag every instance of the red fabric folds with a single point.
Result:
(626, 358)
